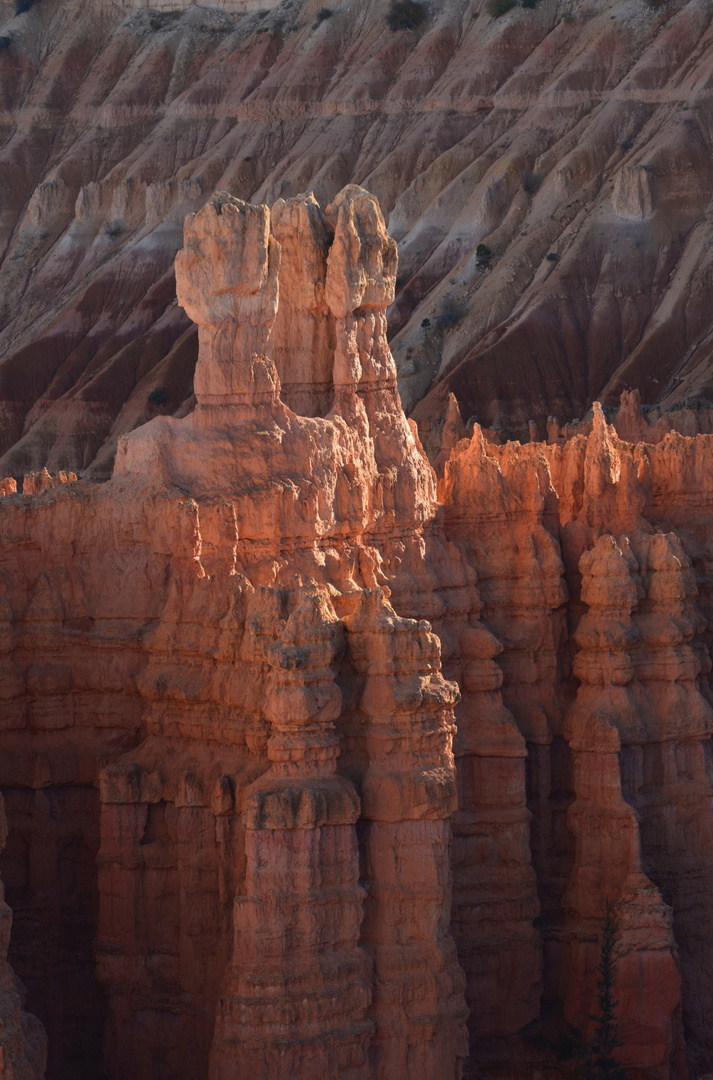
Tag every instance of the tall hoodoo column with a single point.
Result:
(494, 890)
(510, 820)
(227, 282)
(408, 795)
(606, 829)
(664, 775)
(286, 792)
(360, 285)
(299, 985)
(303, 338)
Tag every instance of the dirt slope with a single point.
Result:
(579, 130)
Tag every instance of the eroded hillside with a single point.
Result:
(573, 140)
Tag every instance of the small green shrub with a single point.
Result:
(406, 15)
(160, 19)
(5, 42)
(529, 3)
(324, 13)
(483, 254)
(113, 229)
(425, 325)
(530, 182)
(496, 8)
(451, 312)
(158, 397)
(552, 256)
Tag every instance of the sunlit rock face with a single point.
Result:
(269, 740)
(318, 765)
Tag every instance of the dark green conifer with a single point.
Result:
(599, 1061)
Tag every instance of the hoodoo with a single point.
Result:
(269, 738)
(317, 767)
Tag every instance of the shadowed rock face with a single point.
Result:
(23, 1044)
(593, 565)
(337, 765)
(577, 149)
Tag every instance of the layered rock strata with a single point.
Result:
(628, 527)
(604, 719)
(276, 777)
(313, 767)
(571, 139)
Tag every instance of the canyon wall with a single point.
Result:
(572, 140)
(316, 763)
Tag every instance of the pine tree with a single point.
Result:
(599, 1061)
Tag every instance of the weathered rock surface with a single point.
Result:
(618, 781)
(572, 139)
(270, 741)
(317, 766)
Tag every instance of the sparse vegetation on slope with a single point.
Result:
(496, 8)
(158, 396)
(406, 15)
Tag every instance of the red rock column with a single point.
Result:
(494, 888)
(606, 829)
(303, 335)
(408, 796)
(298, 986)
(666, 776)
(359, 287)
(500, 511)
(226, 281)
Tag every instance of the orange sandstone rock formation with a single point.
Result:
(315, 767)
(608, 848)
(627, 524)
(273, 751)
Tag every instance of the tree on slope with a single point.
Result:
(599, 1061)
